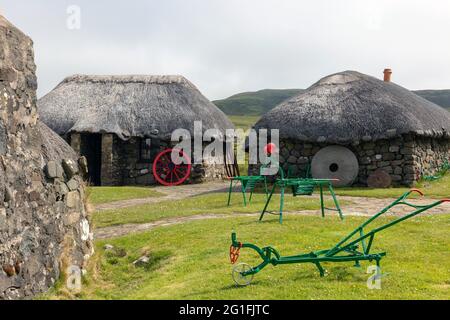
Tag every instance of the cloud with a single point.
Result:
(230, 46)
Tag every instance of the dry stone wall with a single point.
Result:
(44, 226)
(127, 167)
(406, 158)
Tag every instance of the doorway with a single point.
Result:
(91, 148)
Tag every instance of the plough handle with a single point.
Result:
(421, 194)
(415, 190)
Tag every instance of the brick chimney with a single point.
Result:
(387, 75)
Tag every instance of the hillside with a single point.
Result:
(259, 102)
(440, 97)
(254, 103)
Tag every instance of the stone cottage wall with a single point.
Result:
(128, 169)
(405, 158)
(430, 154)
(43, 219)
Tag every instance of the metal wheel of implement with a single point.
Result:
(238, 278)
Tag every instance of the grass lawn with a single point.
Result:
(99, 195)
(434, 189)
(190, 261)
(213, 203)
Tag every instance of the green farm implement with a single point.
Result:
(248, 184)
(302, 187)
(355, 247)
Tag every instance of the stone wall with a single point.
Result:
(43, 219)
(430, 154)
(128, 169)
(406, 159)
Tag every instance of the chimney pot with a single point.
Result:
(387, 75)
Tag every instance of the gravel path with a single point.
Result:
(357, 206)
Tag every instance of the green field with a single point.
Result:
(190, 261)
(244, 122)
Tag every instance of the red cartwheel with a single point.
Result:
(167, 172)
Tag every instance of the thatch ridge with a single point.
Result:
(145, 79)
(350, 106)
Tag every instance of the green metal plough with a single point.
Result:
(355, 247)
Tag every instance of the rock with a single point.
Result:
(409, 169)
(107, 247)
(379, 179)
(9, 270)
(390, 133)
(82, 162)
(53, 170)
(61, 188)
(142, 261)
(292, 160)
(70, 167)
(72, 199)
(369, 146)
(84, 226)
(382, 164)
(71, 218)
(388, 156)
(394, 148)
(72, 184)
(9, 194)
(303, 160)
(3, 138)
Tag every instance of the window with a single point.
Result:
(145, 150)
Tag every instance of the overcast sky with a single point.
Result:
(229, 46)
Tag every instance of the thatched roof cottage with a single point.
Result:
(350, 125)
(120, 123)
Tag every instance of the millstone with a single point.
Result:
(335, 162)
(379, 179)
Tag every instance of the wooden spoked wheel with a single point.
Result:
(167, 172)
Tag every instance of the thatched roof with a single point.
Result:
(129, 106)
(351, 106)
(53, 146)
